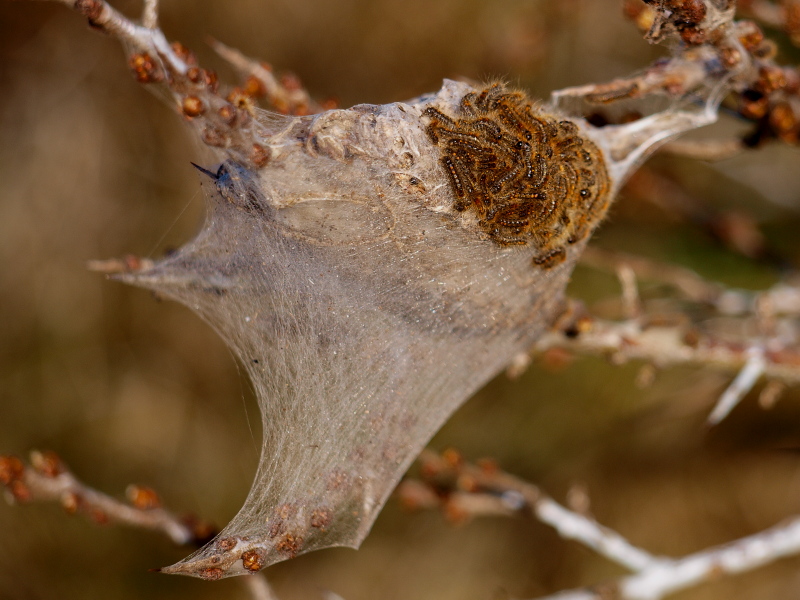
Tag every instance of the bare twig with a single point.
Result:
(590, 533)
(285, 96)
(222, 120)
(504, 494)
(766, 93)
(673, 341)
(47, 479)
(686, 281)
(145, 38)
(115, 266)
(259, 587)
(783, 298)
(669, 344)
(707, 32)
(150, 14)
(667, 576)
(770, 395)
(631, 303)
(654, 576)
(743, 383)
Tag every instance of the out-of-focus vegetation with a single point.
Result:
(129, 389)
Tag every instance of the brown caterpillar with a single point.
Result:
(528, 177)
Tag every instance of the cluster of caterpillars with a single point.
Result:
(528, 177)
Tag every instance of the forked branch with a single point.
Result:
(465, 491)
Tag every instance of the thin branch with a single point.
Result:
(631, 303)
(654, 576)
(47, 479)
(286, 96)
(689, 283)
(666, 345)
(117, 266)
(766, 93)
(770, 395)
(222, 120)
(259, 587)
(740, 386)
(493, 488)
(590, 533)
(150, 14)
(669, 576)
(145, 38)
(783, 298)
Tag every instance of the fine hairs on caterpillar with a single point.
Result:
(527, 176)
(371, 268)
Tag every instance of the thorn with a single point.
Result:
(211, 174)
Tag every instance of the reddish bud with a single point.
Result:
(192, 106)
(11, 469)
(143, 498)
(71, 502)
(47, 463)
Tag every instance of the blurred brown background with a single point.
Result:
(129, 389)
